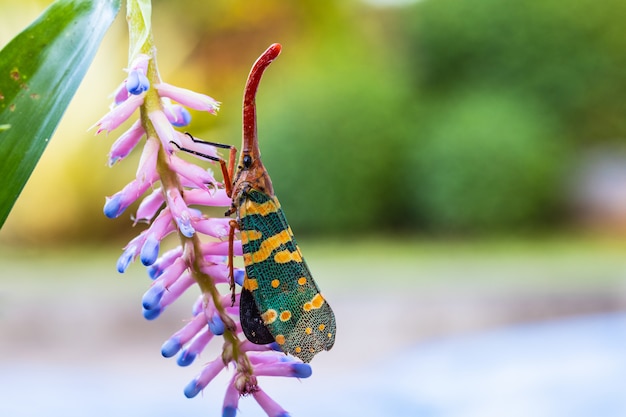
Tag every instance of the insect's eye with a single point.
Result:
(247, 161)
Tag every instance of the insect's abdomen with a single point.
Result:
(277, 278)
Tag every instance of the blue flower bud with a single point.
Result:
(185, 227)
(216, 325)
(185, 358)
(125, 260)
(183, 117)
(229, 411)
(171, 347)
(275, 346)
(137, 83)
(149, 251)
(151, 314)
(154, 271)
(192, 389)
(152, 298)
(113, 206)
(301, 370)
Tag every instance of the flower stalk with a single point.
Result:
(176, 185)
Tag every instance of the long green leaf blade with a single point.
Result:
(40, 70)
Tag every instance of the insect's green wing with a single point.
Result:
(288, 300)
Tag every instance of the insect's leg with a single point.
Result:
(231, 254)
(227, 170)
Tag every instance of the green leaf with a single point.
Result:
(40, 70)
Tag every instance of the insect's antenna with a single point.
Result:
(250, 141)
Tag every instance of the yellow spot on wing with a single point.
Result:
(285, 315)
(280, 339)
(269, 316)
(250, 284)
(263, 209)
(269, 245)
(285, 256)
(322, 327)
(302, 281)
(308, 330)
(317, 301)
(248, 235)
(275, 283)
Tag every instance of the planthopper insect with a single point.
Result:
(279, 300)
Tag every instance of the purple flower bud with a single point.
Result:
(121, 94)
(119, 114)
(164, 129)
(231, 400)
(150, 205)
(221, 248)
(287, 369)
(186, 358)
(207, 374)
(113, 206)
(183, 336)
(193, 173)
(177, 115)
(213, 227)
(125, 260)
(194, 348)
(151, 314)
(137, 82)
(126, 143)
(152, 298)
(180, 212)
(216, 198)
(171, 347)
(271, 407)
(172, 273)
(149, 250)
(216, 325)
(176, 289)
(188, 98)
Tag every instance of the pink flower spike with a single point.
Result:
(119, 114)
(189, 98)
(217, 198)
(164, 129)
(126, 143)
(193, 173)
(271, 407)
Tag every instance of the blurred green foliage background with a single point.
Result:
(444, 117)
